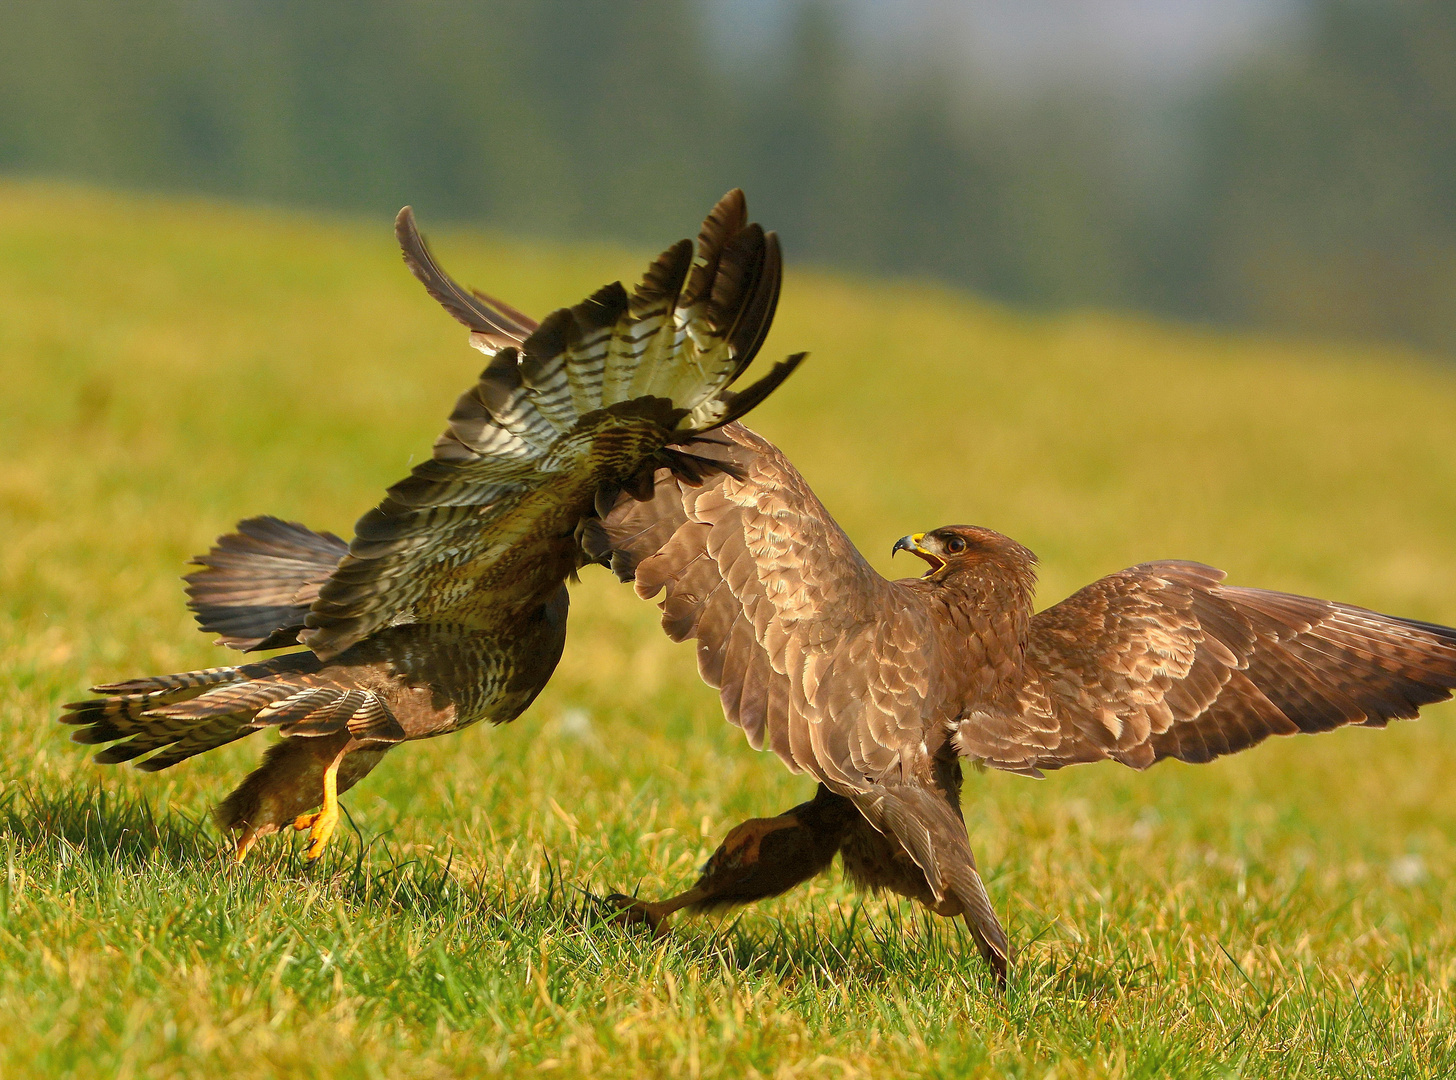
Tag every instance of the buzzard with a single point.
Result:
(878, 688)
(449, 605)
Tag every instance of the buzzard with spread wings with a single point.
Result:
(878, 688)
(449, 605)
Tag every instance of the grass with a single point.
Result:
(170, 367)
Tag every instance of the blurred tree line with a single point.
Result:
(1311, 187)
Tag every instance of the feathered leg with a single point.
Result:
(760, 858)
(321, 823)
(296, 775)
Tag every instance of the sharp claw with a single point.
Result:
(320, 829)
(244, 843)
(320, 825)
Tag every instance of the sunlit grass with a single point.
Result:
(170, 368)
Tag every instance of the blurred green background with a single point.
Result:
(171, 363)
(1281, 163)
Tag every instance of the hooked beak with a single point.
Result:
(911, 544)
(906, 543)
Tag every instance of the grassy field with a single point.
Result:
(169, 368)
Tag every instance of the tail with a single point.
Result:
(174, 717)
(933, 834)
(258, 583)
(126, 713)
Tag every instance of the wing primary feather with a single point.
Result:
(729, 406)
(499, 327)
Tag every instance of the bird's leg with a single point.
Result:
(245, 842)
(760, 858)
(288, 781)
(321, 823)
(654, 916)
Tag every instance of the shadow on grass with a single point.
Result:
(905, 948)
(103, 827)
(107, 831)
(901, 948)
(447, 948)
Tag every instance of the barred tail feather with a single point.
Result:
(173, 717)
(126, 711)
(165, 689)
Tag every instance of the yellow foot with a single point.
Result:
(320, 826)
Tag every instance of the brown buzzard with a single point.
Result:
(449, 605)
(878, 688)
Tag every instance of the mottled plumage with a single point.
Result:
(877, 688)
(449, 605)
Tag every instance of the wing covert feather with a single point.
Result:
(1163, 660)
(814, 654)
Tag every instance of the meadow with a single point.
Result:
(170, 367)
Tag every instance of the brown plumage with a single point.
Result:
(449, 605)
(877, 688)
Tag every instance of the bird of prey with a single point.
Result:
(878, 688)
(449, 605)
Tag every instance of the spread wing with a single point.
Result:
(1163, 660)
(814, 654)
(588, 401)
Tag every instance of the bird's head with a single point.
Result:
(953, 548)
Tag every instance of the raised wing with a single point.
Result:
(590, 401)
(813, 653)
(1163, 660)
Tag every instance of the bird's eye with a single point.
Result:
(955, 545)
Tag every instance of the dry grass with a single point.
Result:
(169, 368)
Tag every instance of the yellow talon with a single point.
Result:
(245, 843)
(322, 829)
(320, 825)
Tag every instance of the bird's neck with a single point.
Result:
(992, 584)
(991, 613)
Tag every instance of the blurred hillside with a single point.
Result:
(1303, 177)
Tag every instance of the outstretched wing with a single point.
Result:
(1163, 660)
(589, 401)
(813, 653)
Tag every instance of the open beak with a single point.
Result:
(911, 544)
